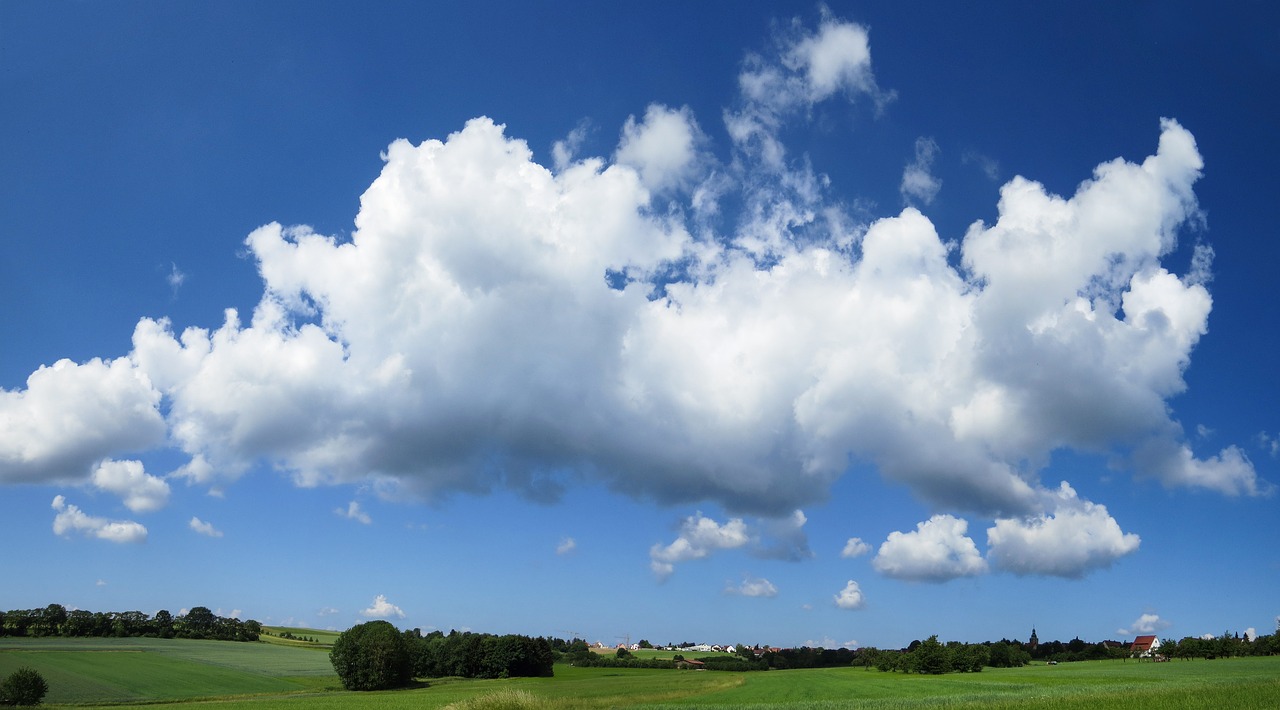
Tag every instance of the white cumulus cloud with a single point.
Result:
(850, 597)
(855, 547)
(567, 545)
(70, 417)
(493, 322)
(382, 609)
(1146, 624)
(1077, 537)
(699, 537)
(140, 491)
(936, 551)
(663, 148)
(71, 519)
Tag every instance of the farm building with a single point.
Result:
(1145, 646)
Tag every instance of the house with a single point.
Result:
(1145, 646)
(691, 664)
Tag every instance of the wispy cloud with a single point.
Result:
(919, 184)
(353, 512)
(567, 545)
(175, 278)
(204, 528)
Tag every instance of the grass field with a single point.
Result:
(263, 676)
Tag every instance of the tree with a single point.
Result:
(931, 657)
(371, 656)
(23, 687)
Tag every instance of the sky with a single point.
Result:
(724, 322)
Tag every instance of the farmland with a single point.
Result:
(267, 676)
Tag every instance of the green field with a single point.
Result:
(267, 676)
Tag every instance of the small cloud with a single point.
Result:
(1203, 431)
(204, 528)
(753, 587)
(563, 152)
(850, 597)
(988, 166)
(855, 547)
(353, 512)
(1251, 633)
(327, 611)
(175, 278)
(828, 642)
(141, 492)
(1146, 624)
(936, 551)
(699, 537)
(72, 519)
(382, 609)
(1268, 443)
(918, 181)
(567, 545)
(101, 583)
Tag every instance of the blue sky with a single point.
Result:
(729, 322)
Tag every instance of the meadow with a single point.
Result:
(219, 675)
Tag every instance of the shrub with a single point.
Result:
(23, 687)
(371, 656)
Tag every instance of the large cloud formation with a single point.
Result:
(495, 322)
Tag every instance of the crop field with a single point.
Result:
(263, 676)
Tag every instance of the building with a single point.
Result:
(1145, 646)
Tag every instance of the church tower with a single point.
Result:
(1034, 641)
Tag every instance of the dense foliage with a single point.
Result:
(372, 656)
(1225, 645)
(23, 687)
(472, 655)
(55, 620)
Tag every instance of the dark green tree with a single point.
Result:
(24, 686)
(371, 656)
(931, 657)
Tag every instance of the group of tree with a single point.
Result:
(24, 686)
(377, 656)
(55, 620)
(294, 637)
(1225, 645)
(932, 657)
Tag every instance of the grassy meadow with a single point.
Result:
(223, 675)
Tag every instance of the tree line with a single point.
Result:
(55, 620)
(1226, 645)
(377, 656)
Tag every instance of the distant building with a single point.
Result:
(1145, 646)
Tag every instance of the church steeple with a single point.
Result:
(1034, 640)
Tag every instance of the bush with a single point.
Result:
(23, 687)
(371, 656)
